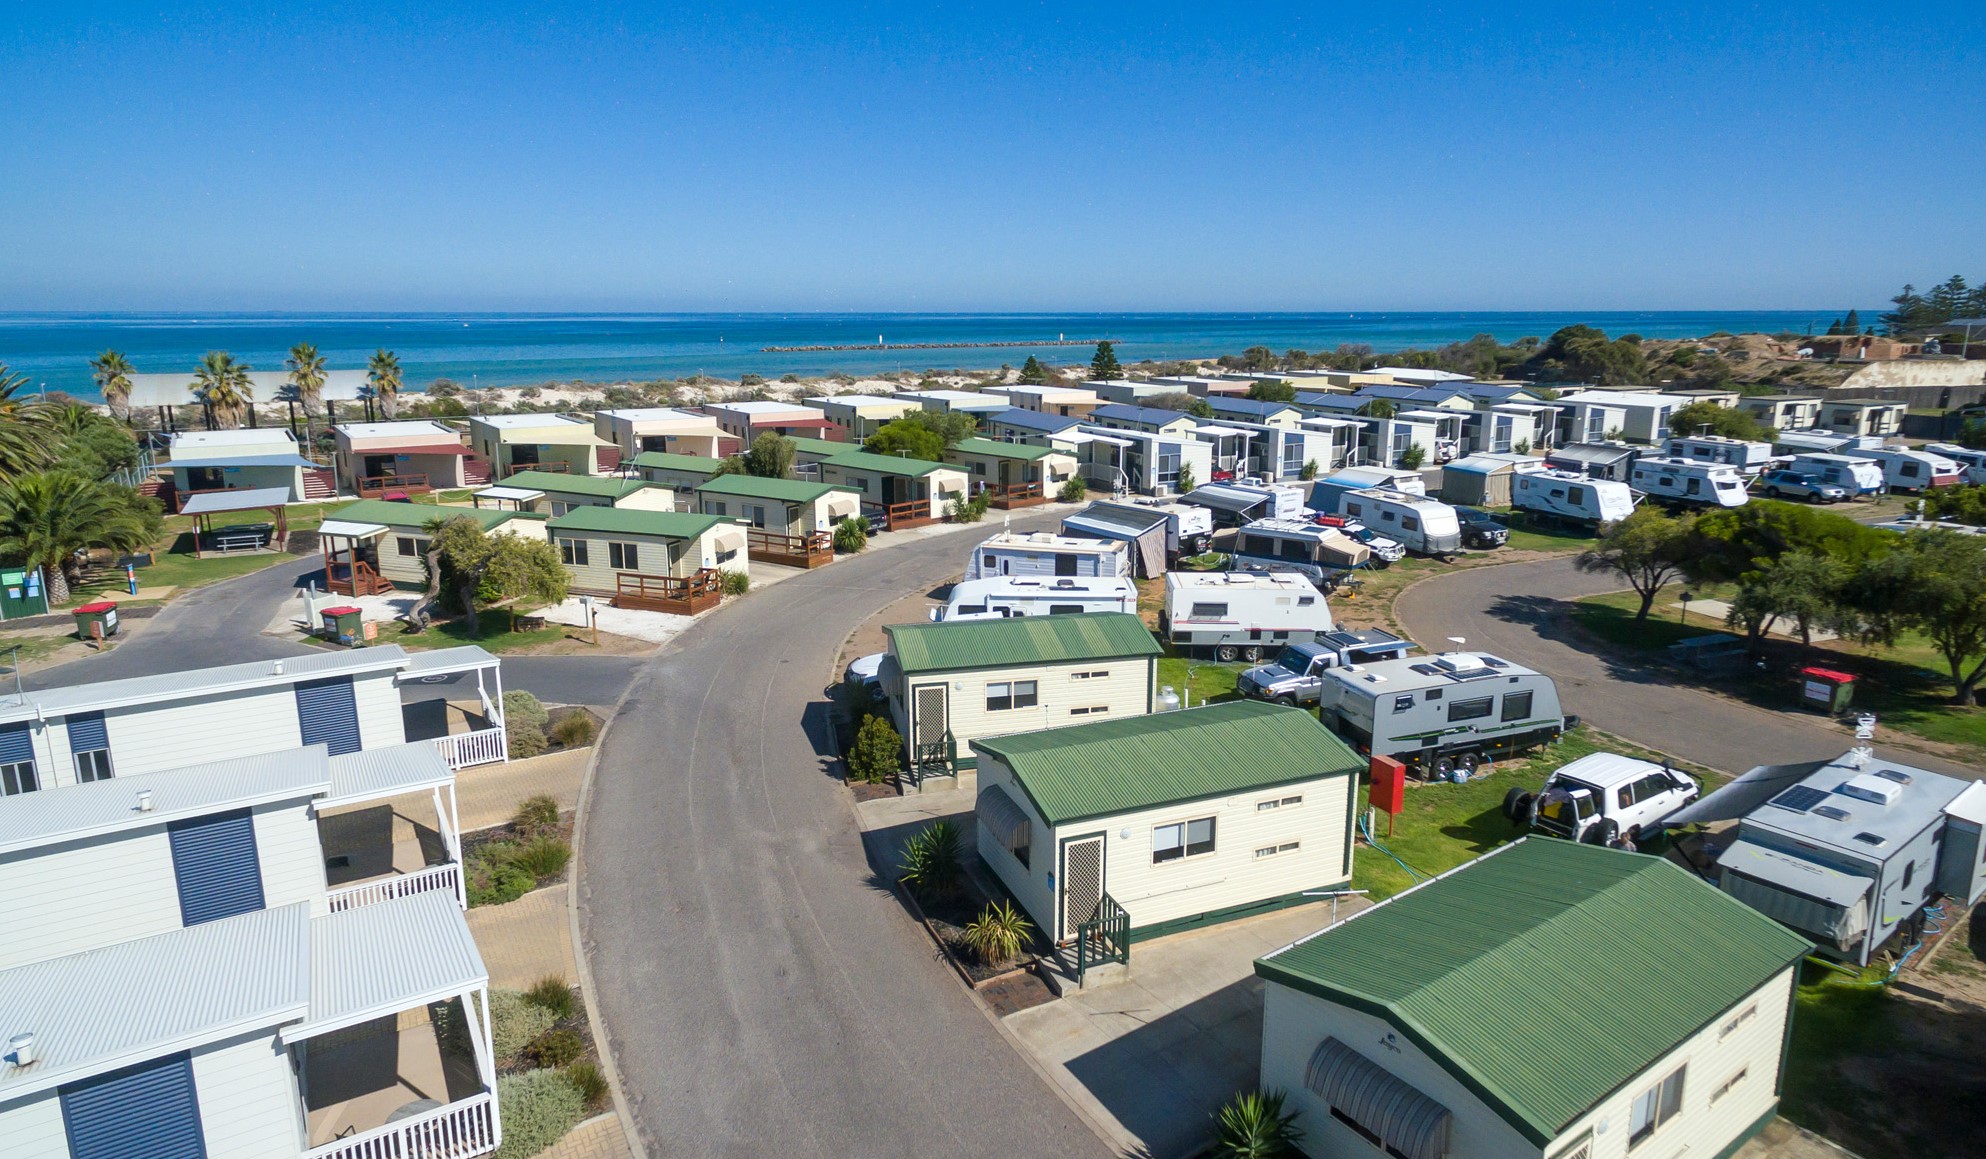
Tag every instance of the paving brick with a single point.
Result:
(600, 1137)
(487, 795)
(526, 939)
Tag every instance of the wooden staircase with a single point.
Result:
(610, 459)
(476, 471)
(319, 484)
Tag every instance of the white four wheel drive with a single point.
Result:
(1602, 799)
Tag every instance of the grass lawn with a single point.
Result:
(27, 649)
(496, 635)
(1205, 680)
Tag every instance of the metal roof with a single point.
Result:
(374, 960)
(240, 437)
(626, 521)
(283, 460)
(202, 681)
(69, 812)
(213, 502)
(417, 515)
(1590, 453)
(785, 490)
(760, 407)
(599, 486)
(1119, 766)
(372, 774)
(645, 414)
(126, 1003)
(1226, 498)
(508, 494)
(1837, 815)
(1034, 420)
(348, 529)
(993, 448)
(464, 658)
(1510, 971)
(1023, 640)
(675, 462)
(1156, 416)
(886, 464)
(528, 421)
(423, 430)
(1114, 519)
(1222, 404)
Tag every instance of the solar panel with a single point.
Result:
(1799, 798)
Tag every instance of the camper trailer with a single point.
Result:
(1440, 714)
(1238, 615)
(1325, 493)
(1419, 524)
(1861, 476)
(1973, 461)
(1748, 457)
(1319, 554)
(1157, 533)
(1676, 480)
(1233, 504)
(1009, 598)
(1569, 497)
(1908, 470)
(1043, 553)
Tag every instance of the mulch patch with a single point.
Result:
(1016, 992)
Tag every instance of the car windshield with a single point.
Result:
(1292, 659)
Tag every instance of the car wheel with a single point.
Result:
(1517, 805)
(1772, 492)
(1225, 653)
(1605, 831)
(1286, 700)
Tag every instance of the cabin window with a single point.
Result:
(1092, 710)
(1731, 1027)
(1725, 1087)
(1655, 1106)
(1278, 803)
(1470, 709)
(93, 766)
(559, 507)
(1210, 611)
(1403, 703)
(1092, 674)
(624, 556)
(572, 552)
(18, 777)
(410, 545)
(1272, 850)
(1010, 695)
(1517, 706)
(1182, 839)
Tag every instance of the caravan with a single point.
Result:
(1325, 493)
(1233, 504)
(1236, 615)
(1860, 475)
(1442, 713)
(1043, 553)
(1973, 461)
(1569, 497)
(1684, 481)
(1319, 554)
(1908, 470)
(1748, 457)
(1419, 524)
(1008, 598)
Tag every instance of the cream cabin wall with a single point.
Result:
(249, 1104)
(1126, 691)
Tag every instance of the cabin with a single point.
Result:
(1205, 385)
(788, 521)
(252, 459)
(809, 453)
(1045, 554)
(1167, 822)
(1448, 426)
(1510, 428)
(1015, 425)
(1017, 474)
(1286, 415)
(409, 457)
(1640, 416)
(377, 545)
(1711, 395)
(904, 492)
(1129, 391)
(536, 442)
(1786, 412)
(666, 561)
(1118, 416)
(949, 684)
(664, 429)
(681, 474)
(980, 405)
(748, 419)
(1528, 1004)
(557, 494)
(1063, 401)
(1876, 417)
(1145, 462)
(861, 415)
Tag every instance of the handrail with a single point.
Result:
(446, 876)
(484, 746)
(1109, 932)
(375, 483)
(455, 1131)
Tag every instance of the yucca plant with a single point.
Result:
(1253, 1126)
(998, 933)
(931, 859)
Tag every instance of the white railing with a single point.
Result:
(456, 1131)
(434, 877)
(483, 747)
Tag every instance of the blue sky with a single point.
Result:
(1010, 156)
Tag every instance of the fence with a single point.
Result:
(434, 877)
(455, 1131)
(1104, 938)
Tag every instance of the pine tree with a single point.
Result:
(1852, 324)
(1909, 312)
(1033, 373)
(1103, 367)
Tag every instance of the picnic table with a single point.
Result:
(246, 537)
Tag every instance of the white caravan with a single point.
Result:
(1973, 461)
(1044, 553)
(1683, 481)
(1006, 598)
(1861, 475)
(1319, 554)
(1570, 497)
(1419, 524)
(1748, 457)
(1441, 713)
(1238, 615)
(1326, 492)
(1908, 470)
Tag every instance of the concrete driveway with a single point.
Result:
(1517, 611)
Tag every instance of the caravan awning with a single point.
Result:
(1407, 1122)
(1229, 499)
(1745, 794)
(1008, 823)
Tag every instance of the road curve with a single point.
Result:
(1518, 611)
(765, 993)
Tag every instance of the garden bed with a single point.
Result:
(549, 1074)
(530, 851)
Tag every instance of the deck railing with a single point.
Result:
(485, 746)
(1006, 495)
(434, 877)
(1106, 937)
(667, 593)
(456, 1131)
(798, 550)
(374, 485)
(898, 515)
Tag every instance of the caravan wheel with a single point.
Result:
(1252, 653)
(1467, 761)
(1225, 653)
(1444, 767)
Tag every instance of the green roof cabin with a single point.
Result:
(664, 561)
(1018, 474)
(375, 545)
(680, 473)
(1167, 821)
(554, 494)
(907, 492)
(1549, 999)
(788, 521)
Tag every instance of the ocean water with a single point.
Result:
(516, 349)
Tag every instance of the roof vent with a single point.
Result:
(20, 1050)
(1459, 662)
(1875, 790)
(1875, 839)
(1897, 775)
(144, 800)
(278, 669)
(1832, 813)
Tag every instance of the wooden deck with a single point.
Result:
(1007, 496)
(354, 580)
(901, 515)
(663, 593)
(373, 486)
(808, 551)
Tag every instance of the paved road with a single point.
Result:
(766, 994)
(1516, 611)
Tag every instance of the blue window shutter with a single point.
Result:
(87, 733)
(16, 745)
(151, 1109)
(328, 710)
(215, 862)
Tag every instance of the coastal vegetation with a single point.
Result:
(1949, 299)
(1103, 365)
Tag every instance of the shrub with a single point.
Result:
(736, 583)
(1309, 471)
(494, 881)
(878, 751)
(851, 535)
(1251, 1126)
(932, 860)
(514, 1022)
(537, 1107)
(535, 815)
(573, 731)
(586, 1078)
(998, 933)
(551, 993)
(1412, 458)
(555, 1047)
(521, 707)
(1074, 490)
(526, 740)
(542, 857)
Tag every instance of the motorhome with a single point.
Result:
(1043, 553)
(1748, 457)
(1421, 525)
(1908, 470)
(1238, 615)
(1862, 476)
(1326, 492)
(1319, 554)
(1973, 461)
(1569, 497)
(1007, 597)
(1685, 481)
(1440, 714)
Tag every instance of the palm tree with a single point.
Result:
(48, 518)
(383, 376)
(113, 375)
(23, 446)
(11, 386)
(306, 367)
(221, 382)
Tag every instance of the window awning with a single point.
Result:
(346, 529)
(1815, 899)
(729, 537)
(376, 960)
(1409, 1123)
(1004, 819)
